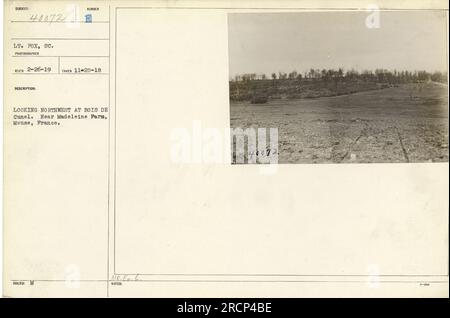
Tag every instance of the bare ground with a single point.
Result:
(408, 123)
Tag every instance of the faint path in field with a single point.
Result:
(401, 144)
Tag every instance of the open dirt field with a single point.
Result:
(408, 123)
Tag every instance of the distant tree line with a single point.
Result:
(379, 76)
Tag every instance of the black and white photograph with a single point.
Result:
(341, 87)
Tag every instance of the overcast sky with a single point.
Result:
(272, 42)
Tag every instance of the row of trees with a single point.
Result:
(379, 75)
